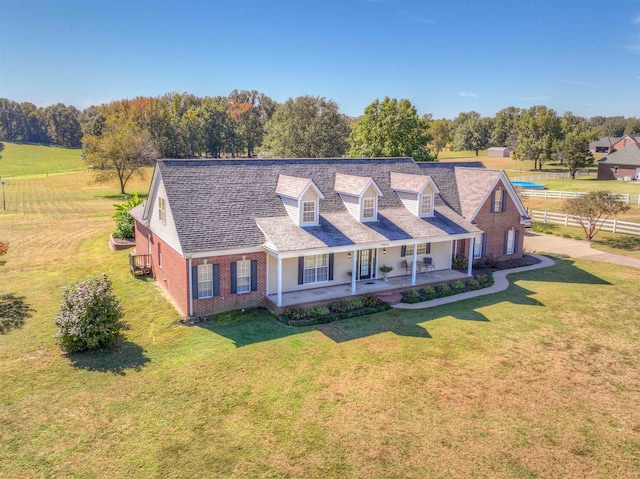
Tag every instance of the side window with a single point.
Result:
(498, 201)
(162, 210)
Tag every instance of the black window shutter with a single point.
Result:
(503, 205)
(484, 245)
(330, 266)
(493, 202)
(428, 248)
(515, 241)
(506, 240)
(403, 251)
(234, 277)
(194, 282)
(216, 280)
(300, 269)
(254, 275)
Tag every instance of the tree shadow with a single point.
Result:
(13, 312)
(255, 328)
(125, 356)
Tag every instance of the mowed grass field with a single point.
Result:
(29, 159)
(540, 381)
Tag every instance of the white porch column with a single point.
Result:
(413, 265)
(450, 254)
(279, 300)
(471, 247)
(266, 286)
(354, 272)
(375, 274)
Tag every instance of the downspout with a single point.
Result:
(190, 289)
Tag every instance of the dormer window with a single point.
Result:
(368, 208)
(309, 212)
(426, 205)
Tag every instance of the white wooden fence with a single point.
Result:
(549, 176)
(614, 226)
(628, 198)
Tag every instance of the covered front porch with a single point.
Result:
(330, 293)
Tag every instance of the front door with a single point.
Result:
(366, 263)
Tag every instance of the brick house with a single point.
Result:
(621, 164)
(230, 234)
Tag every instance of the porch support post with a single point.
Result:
(354, 272)
(375, 274)
(266, 286)
(413, 265)
(279, 300)
(471, 247)
(190, 287)
(451, 252)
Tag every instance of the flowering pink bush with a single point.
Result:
(90, 316)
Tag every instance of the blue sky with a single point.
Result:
(445, 56)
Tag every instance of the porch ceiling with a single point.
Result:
(330, 293)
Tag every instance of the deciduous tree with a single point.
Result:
(119, 153)
(574, 152)
(539, 131)
(441, 134)
(504, 132)
(471, 132)
(307, 127)
(391, 128)
(592, 209)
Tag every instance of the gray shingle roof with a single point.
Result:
(215, 203)
(412, 183)
(629, 155)
(291, 186)
(351, 184)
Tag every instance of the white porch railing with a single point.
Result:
(613, 226)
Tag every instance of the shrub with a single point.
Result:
(4, 247)
(125, 223)
(457, 284)
(370, 300)
(473, 283)
(295, 313)
(355, 303)
(459, 262)
(429, 291)
(482, 278)
(319, 311)
(412, 293)
(90, 316)
(548, 232)
(339, 306)
(444, 289)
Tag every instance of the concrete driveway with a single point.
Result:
(541, 243)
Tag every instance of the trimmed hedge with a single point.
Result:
(341, 309)
(412, 296)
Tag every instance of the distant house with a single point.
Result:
(499, 152)
(603, 145)
(230, 234)
(621, 164)
(624, 142)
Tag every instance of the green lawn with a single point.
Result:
(538, 381)
(27, 159)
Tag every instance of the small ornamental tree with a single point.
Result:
(124, 221)
(4, 247)
(593, 209)
(90, 316)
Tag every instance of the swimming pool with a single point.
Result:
(528, 185)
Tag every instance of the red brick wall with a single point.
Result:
(227, 301)
(606, 171)
(495, 225)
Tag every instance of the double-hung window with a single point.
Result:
(425, 204)
(205, 281)
(243, 276)
(162, 210)
(316, 268)
(477, 247)
(511, 242)
(368, 208)
(498, 199)
(308, 211)
(423, 248)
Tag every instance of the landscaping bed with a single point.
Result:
(341, 309)
(448, 289)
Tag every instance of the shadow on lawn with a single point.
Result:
(13, 312)
(121, 358)
(261, 326)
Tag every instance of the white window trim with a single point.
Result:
(240, 266)
(202, 271)
(511, 241)
(422, 249)
(315, 212)
(477, 247)
(375, 209)
(317, 259)
(422, 203)
(162, 210)
(497, 203)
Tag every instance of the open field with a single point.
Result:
(29, 159)
(542, 380)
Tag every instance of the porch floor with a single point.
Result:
(328, 293)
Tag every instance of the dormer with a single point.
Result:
(360, 196)
(301, 198)
(417, 192)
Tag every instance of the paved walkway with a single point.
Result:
(500, 283)
(539, 242)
